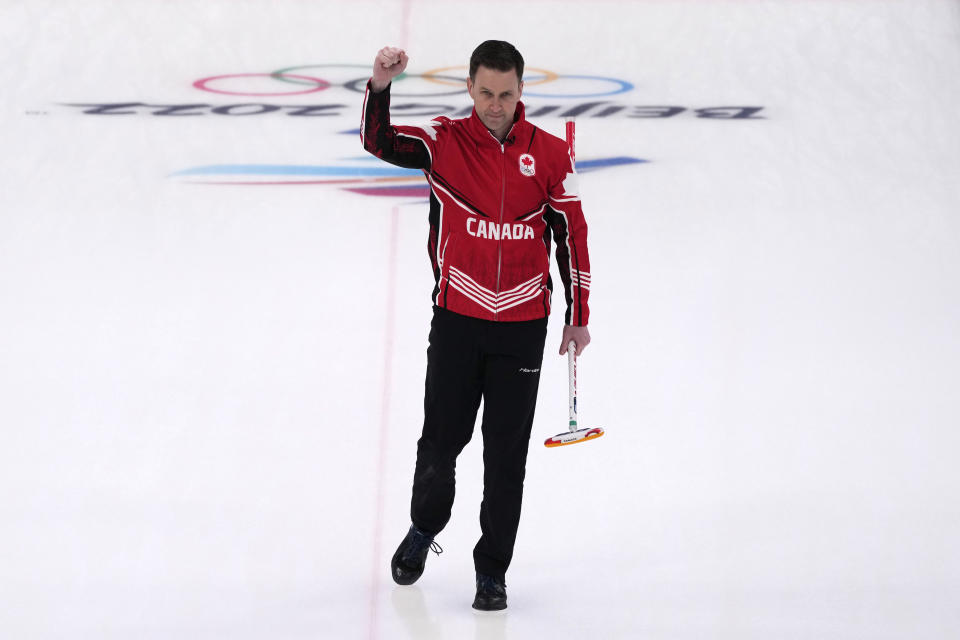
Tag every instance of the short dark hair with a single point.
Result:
(497, 55)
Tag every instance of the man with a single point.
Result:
(501, 189)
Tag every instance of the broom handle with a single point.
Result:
(572, 371)
(572, 347)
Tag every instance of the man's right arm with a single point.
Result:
(379, 137)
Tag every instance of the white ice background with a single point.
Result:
(210, 395)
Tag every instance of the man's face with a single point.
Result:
(495, 95)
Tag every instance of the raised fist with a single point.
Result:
(389, 63)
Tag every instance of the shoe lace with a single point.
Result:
(489, 584)
(419, 542)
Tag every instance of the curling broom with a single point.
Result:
(574, 434)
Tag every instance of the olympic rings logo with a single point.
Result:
(569, 86)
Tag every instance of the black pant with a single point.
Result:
(467, 359)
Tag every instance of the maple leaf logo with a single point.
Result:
(526, 165)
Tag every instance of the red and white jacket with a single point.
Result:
(493, 210)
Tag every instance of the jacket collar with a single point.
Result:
(480, 132)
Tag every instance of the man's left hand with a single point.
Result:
(580, 336)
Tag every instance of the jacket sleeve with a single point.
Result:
(570, 233)
(410, 147)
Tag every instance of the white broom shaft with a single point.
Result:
(572, 374)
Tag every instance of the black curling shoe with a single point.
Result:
(411, 556)
(491, 594)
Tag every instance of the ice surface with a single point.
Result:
(210, 393)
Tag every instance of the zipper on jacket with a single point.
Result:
(503, 197)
